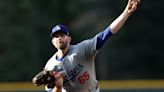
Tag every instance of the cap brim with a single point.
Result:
(59, 31)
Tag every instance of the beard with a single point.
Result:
(62, 46)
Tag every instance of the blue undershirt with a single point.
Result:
(102, 37)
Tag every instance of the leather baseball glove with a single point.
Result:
(44, 78)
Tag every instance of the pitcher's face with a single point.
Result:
(61, 40)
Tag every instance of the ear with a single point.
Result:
(52, 41)
(69, 39)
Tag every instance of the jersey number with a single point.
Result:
(82, 79)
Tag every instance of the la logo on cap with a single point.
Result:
(58, 28)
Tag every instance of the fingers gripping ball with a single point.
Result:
(44, 78)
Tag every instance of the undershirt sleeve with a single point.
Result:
(102, 37)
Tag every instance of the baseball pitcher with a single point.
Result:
(73, 66)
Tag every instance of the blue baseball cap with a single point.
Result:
(59, 28)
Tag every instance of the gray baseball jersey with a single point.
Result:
(79, 68)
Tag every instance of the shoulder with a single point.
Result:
(88, 41)
(51, 63)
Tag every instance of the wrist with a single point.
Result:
(59, 82)
(126, 13)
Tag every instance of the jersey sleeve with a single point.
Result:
(89, 47)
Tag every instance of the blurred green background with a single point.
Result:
(136, 52)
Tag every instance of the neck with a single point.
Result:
(61, 53)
